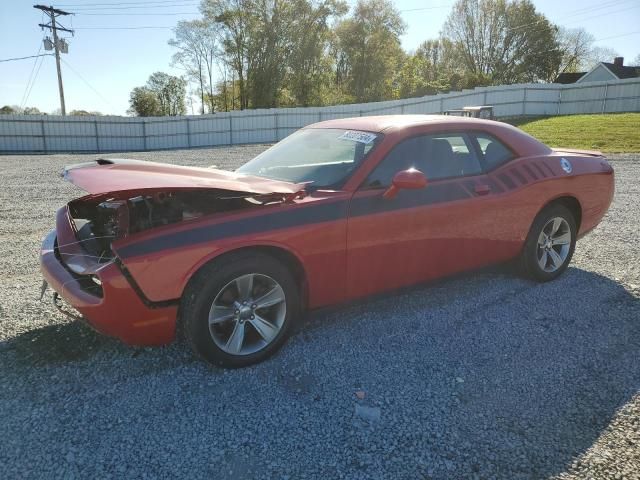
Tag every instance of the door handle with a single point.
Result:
(482, 189)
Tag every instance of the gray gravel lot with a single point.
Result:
(481, 376)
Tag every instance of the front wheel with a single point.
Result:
(550, 244)
(240, 310)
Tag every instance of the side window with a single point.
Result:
(437, 156)
(405, 155)
(495, 153)
(451, 156)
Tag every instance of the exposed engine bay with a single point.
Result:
(101, 219)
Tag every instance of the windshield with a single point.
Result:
(323, 156)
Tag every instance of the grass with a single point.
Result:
(613, 133)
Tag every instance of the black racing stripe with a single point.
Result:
(433, 194)
(540, 170)
(519, 176)
(506, 179)
(531, 173)
(303, 215)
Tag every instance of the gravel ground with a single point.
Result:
(481, 376)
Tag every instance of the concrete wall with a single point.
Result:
(50, 134)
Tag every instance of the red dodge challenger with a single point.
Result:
(338, 210)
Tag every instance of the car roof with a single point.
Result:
(380, 123)
(523, 143)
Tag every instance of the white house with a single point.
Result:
(602, 71)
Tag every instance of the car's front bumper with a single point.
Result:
(117, 310)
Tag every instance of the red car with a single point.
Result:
(337, 211)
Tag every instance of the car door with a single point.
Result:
(420, 234)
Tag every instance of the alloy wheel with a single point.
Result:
(247, 314)
(554, 244)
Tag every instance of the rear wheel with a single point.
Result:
(239, 311)
(550, 244)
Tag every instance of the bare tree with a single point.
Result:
(197, 45)
(599, 54)
(575, 45)
(507, 41)
(578, 52)
(235, 20)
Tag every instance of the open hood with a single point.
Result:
(112, 175)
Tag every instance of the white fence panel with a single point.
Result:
(297, 120)
(47, 133)
(11, 143)
(622, 98)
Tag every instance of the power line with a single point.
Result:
(147, 3)
(579, 12)
(616, 36)
(591, 8)
(141, 14)
(23, 58)
(87, 83)
(123, 28)
(603, 14)
(33, 67)
(98, 9)
(35, 77)
(435, 7)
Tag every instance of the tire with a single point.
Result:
(534, 254)
(242, 332)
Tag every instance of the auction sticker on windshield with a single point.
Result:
(355, 136)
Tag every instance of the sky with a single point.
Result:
(113, 50)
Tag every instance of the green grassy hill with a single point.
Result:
(616, 132)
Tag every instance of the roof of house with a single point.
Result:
(623, 71)
(567, 77)
(620, 71)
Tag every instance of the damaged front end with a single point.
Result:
(127, 198)
(101, 219)
(131, 196)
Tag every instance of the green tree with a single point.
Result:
(509, 42)
(276, 50)
(31, 111)
(368, 53)
(84, 113)
(170, 92)
(433, 68)
(8, 110)
(310, 77)
(144, 103)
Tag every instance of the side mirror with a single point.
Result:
(411, 179)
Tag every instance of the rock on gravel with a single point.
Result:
(483, 376)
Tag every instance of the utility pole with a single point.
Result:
(52, 13)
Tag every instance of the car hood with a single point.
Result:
(112, 175)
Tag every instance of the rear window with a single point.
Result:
(494, 152)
